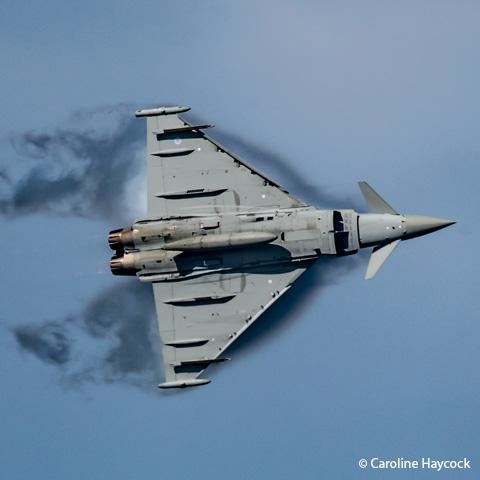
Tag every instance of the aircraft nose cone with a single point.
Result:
(417, 225)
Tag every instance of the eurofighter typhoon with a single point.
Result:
(223, 242)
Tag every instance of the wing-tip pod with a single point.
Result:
(378, 258)
(194, 382)
(153, 112)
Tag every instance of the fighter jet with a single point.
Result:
(222, 242)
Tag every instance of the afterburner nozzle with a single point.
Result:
(124, 265)
(418, 225)
(121, 238)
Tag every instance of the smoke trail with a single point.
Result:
(49, 342)
(4, 176)
(127, 312)
(77, 169)
(268, 160)
(325, 272)
(84, 168)
(80, 171)
(119, 322)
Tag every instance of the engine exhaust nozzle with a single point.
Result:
(124, 265)
(120, 239)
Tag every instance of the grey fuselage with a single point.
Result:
(223, 242)
(181, 247)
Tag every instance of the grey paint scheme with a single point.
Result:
(223, 242)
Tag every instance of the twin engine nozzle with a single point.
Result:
(120, 239)
(123, 265)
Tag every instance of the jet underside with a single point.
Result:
(182, 247)
(222, 242)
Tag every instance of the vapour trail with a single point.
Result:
(119, 323)
(85, 168)
(81, 168)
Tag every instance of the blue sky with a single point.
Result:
(340, 91)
